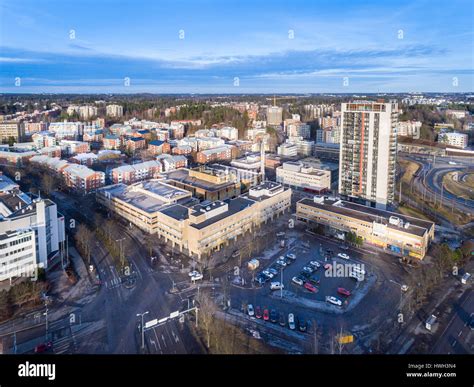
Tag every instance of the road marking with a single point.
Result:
(163, 338)
(460, 333)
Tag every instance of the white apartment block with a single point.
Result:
(459, 140)
(31, 231)
(114, 110)
(409, 129)
(66, 130)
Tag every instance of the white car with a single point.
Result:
(343, 256)
(267, 274)
(197, 277)
(291, 256)
(280, 234)
(193, 273)
(291, 321)
(334, 300)
(250, 310)
(315, 264)
(297, 281)
(281, 261)
(276, 286)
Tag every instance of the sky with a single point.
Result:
(105, 46)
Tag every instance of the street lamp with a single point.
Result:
(143, 327)
(403, 289)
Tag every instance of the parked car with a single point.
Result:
(315, 264)
(273, 316)
(276, 286)
(193, 273)
(250, 310)
(273, 271)
(197, 277)
(302, 326)
(282, 320)
(333, 300)
(310, 287)
(314, 281)
(281, 261)
(261, 279)
(280, 234)
(288, 261)
(305, 275)
(266, 314)
(267, 273)
(344, 247)
(344, 292)
(43, 347)
(308, 269)
(297, 281)
(258, 312)
(343, 256)
(291, 321)
(291, 256)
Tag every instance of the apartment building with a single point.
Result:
(112, 141)
(397, 234)
(172, 162)
(66, 130)
(157, 147)
(215, 154)
(274, 115)
(409, 129)
(459, 140)
(368, 152)
(129, 174)
(31, 231)
(12, 130)
(114, 110)
(135, 143)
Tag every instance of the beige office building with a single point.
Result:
(199, 229)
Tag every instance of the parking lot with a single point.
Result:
(308, 269)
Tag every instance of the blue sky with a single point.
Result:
(88, 46)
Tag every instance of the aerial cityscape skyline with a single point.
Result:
(327, 47)
(236, 178)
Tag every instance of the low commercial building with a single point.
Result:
(398, 234)
(140, 203)
(206, 184)
(199, 229)
(301, 175)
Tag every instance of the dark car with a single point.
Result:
(282, 320)
(258, 312)
(305, 275)
(273, 316)
(43, 347)
(302, 325)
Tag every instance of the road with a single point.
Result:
(429, 177)
(458, 337)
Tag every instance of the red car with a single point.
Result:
(258, 312)
(310, 287)
(266, 315)
(344, 292)
(40, 348)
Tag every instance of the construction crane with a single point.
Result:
(275, 98)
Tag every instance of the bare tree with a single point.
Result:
(84, 238)
(207, 310)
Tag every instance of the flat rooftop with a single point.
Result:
(235, 205)
(182, 176)
(416, 226)
(176, 211)
(149, 196)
